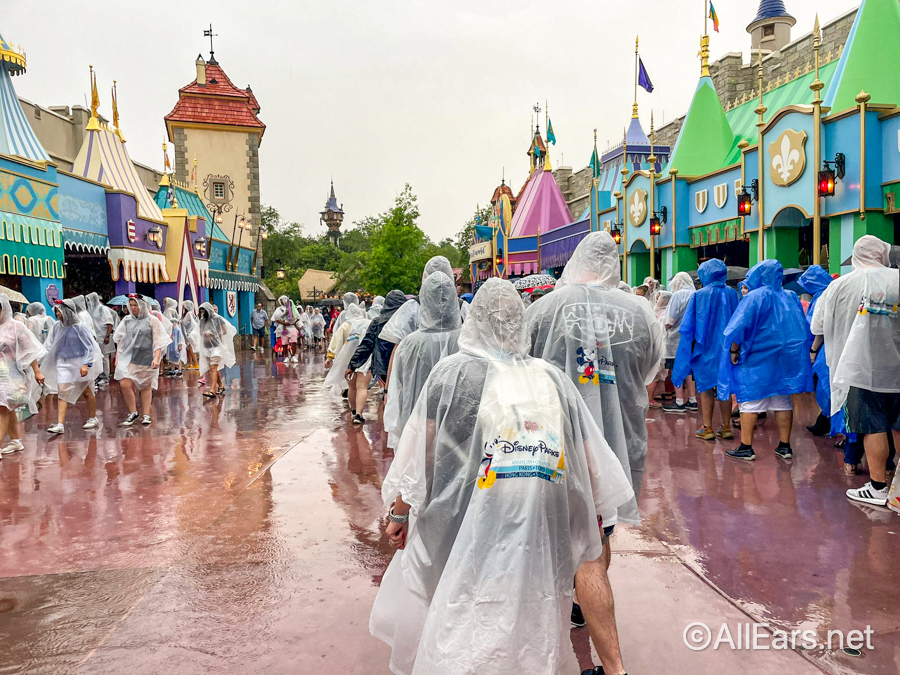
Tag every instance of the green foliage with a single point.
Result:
(464, 239)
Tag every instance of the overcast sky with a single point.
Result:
(378, 94)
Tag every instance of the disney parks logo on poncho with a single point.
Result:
(534, 452)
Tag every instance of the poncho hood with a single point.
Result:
(870, 252)
(68, 312)
(815, 280)
(35, 309)
(349, 299)
(440, 307)
(680, 282)
(392, 302)
(768, 273)
(712, 273)
(595, 261)
(437, 264)
(494, 326)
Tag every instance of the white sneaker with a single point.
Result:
(56, 429)
(92, 423)
(869, 495)
(295, 359)
(13, 446)
(146, 421)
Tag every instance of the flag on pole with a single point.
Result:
(537, 148)
(643, 77)
(595, 164)
(714, 17)
(551, 137)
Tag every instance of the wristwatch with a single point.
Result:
(397, 519)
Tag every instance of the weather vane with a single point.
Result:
(209, 33)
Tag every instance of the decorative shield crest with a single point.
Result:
(231, 302)
(720, 194)
(738, 185)
(132, 233)
(701, 201)
(787, 157)
(637, 207)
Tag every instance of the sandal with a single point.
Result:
(655, 404)
(850, 470)
(208, 394)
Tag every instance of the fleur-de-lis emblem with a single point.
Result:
(788, 157)
(637, 207)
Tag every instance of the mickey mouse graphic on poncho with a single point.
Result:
(587, 366)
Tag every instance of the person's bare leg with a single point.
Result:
(690, 387)
(598, 606)
(212, 378)
(12, 426)
(351, 392)
(877, 451)
(4, 424)
(91, 402)
(61, 408)
(725, 412)
(128, 394)
(785, 420)
(362, 390)
(146, 400)
(707, 407)
(748, 426)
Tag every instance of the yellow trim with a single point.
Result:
(801, 109)
(890, 113)
(849, 211)
(636, 240)
(696, 179)
(41, 167)
(713, 222)
(828, 119)
(806, 215)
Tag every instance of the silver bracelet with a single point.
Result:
(397, 519)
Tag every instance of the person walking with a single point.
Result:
(494, 493)
(417, 354)
(259, 322)
(699, 351)
(71, 366)
(215, 336)
(188, 325)
(682, 288)
(285, 319)
(765, 357)
(140, 340)
(38, 321)
(344, 342)
(857, 320)
(20, 352)
(379, 351)
(610, 346)
(317, 328)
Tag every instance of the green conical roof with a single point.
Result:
(706, 142)
(869, 57)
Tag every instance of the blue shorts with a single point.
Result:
(260, 332)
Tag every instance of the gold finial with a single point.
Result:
(94, 123)
(704, 56)
(817, 86)
(634, 108)
(863, 97)
(595, 137)
(652, 157)
(624, 153)
(761, 108)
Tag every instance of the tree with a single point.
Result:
(399, 249)
(466, 234)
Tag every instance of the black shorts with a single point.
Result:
(872, 412)
(669, 364)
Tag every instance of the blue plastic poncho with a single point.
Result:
(814, 281)
(771, 332)
(703, 326)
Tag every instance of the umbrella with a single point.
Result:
(791, 274)
(735, 274)
(533, 281)
(122, 300)
(13, 296)
(468, 297)
(894, 257)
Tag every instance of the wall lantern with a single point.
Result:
(200, 245)
(746, 199)
(154, 236)
(828, 176)
(616, 233)
(658, 219)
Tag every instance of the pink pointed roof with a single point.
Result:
(541, 207)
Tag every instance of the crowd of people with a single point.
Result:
(519, 430)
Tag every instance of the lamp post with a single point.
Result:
(239, 222)
(262, 235)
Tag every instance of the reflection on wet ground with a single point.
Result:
(244, 535)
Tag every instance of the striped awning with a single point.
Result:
(135, 265)
(30, 246)
(85, 242)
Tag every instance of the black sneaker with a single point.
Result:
(131, 419)
(744, 452)
(674, 408)
(577, 616)
(691, 407)
(784, 451)
(597, 670)
(358, 419)
(822, 427)
(345, 393)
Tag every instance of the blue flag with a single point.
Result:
(643, 77)
(551, 137)
(595, 164)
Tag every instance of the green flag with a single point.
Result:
(595, 164)
(551, 137)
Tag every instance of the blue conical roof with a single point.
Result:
(771, 9)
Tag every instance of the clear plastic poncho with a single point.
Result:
(406, 319)
(375, 309)
(38, 322)
(770, 329)
(350, 300)
(189, 322)
(858, 316)
(137, 338)
(215, 336)
(682, 289)
(702, 328)
(436, 337)
(287, 313)
(623, 286)
(653, 289)
(19, 348)
(102, 318)
(82, 312)
(317, 325)
(70, 345)
(610, 346)
(505, 473)
(335, 382)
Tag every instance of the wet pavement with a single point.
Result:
(244, 536)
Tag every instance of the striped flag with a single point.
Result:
(714, 17)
